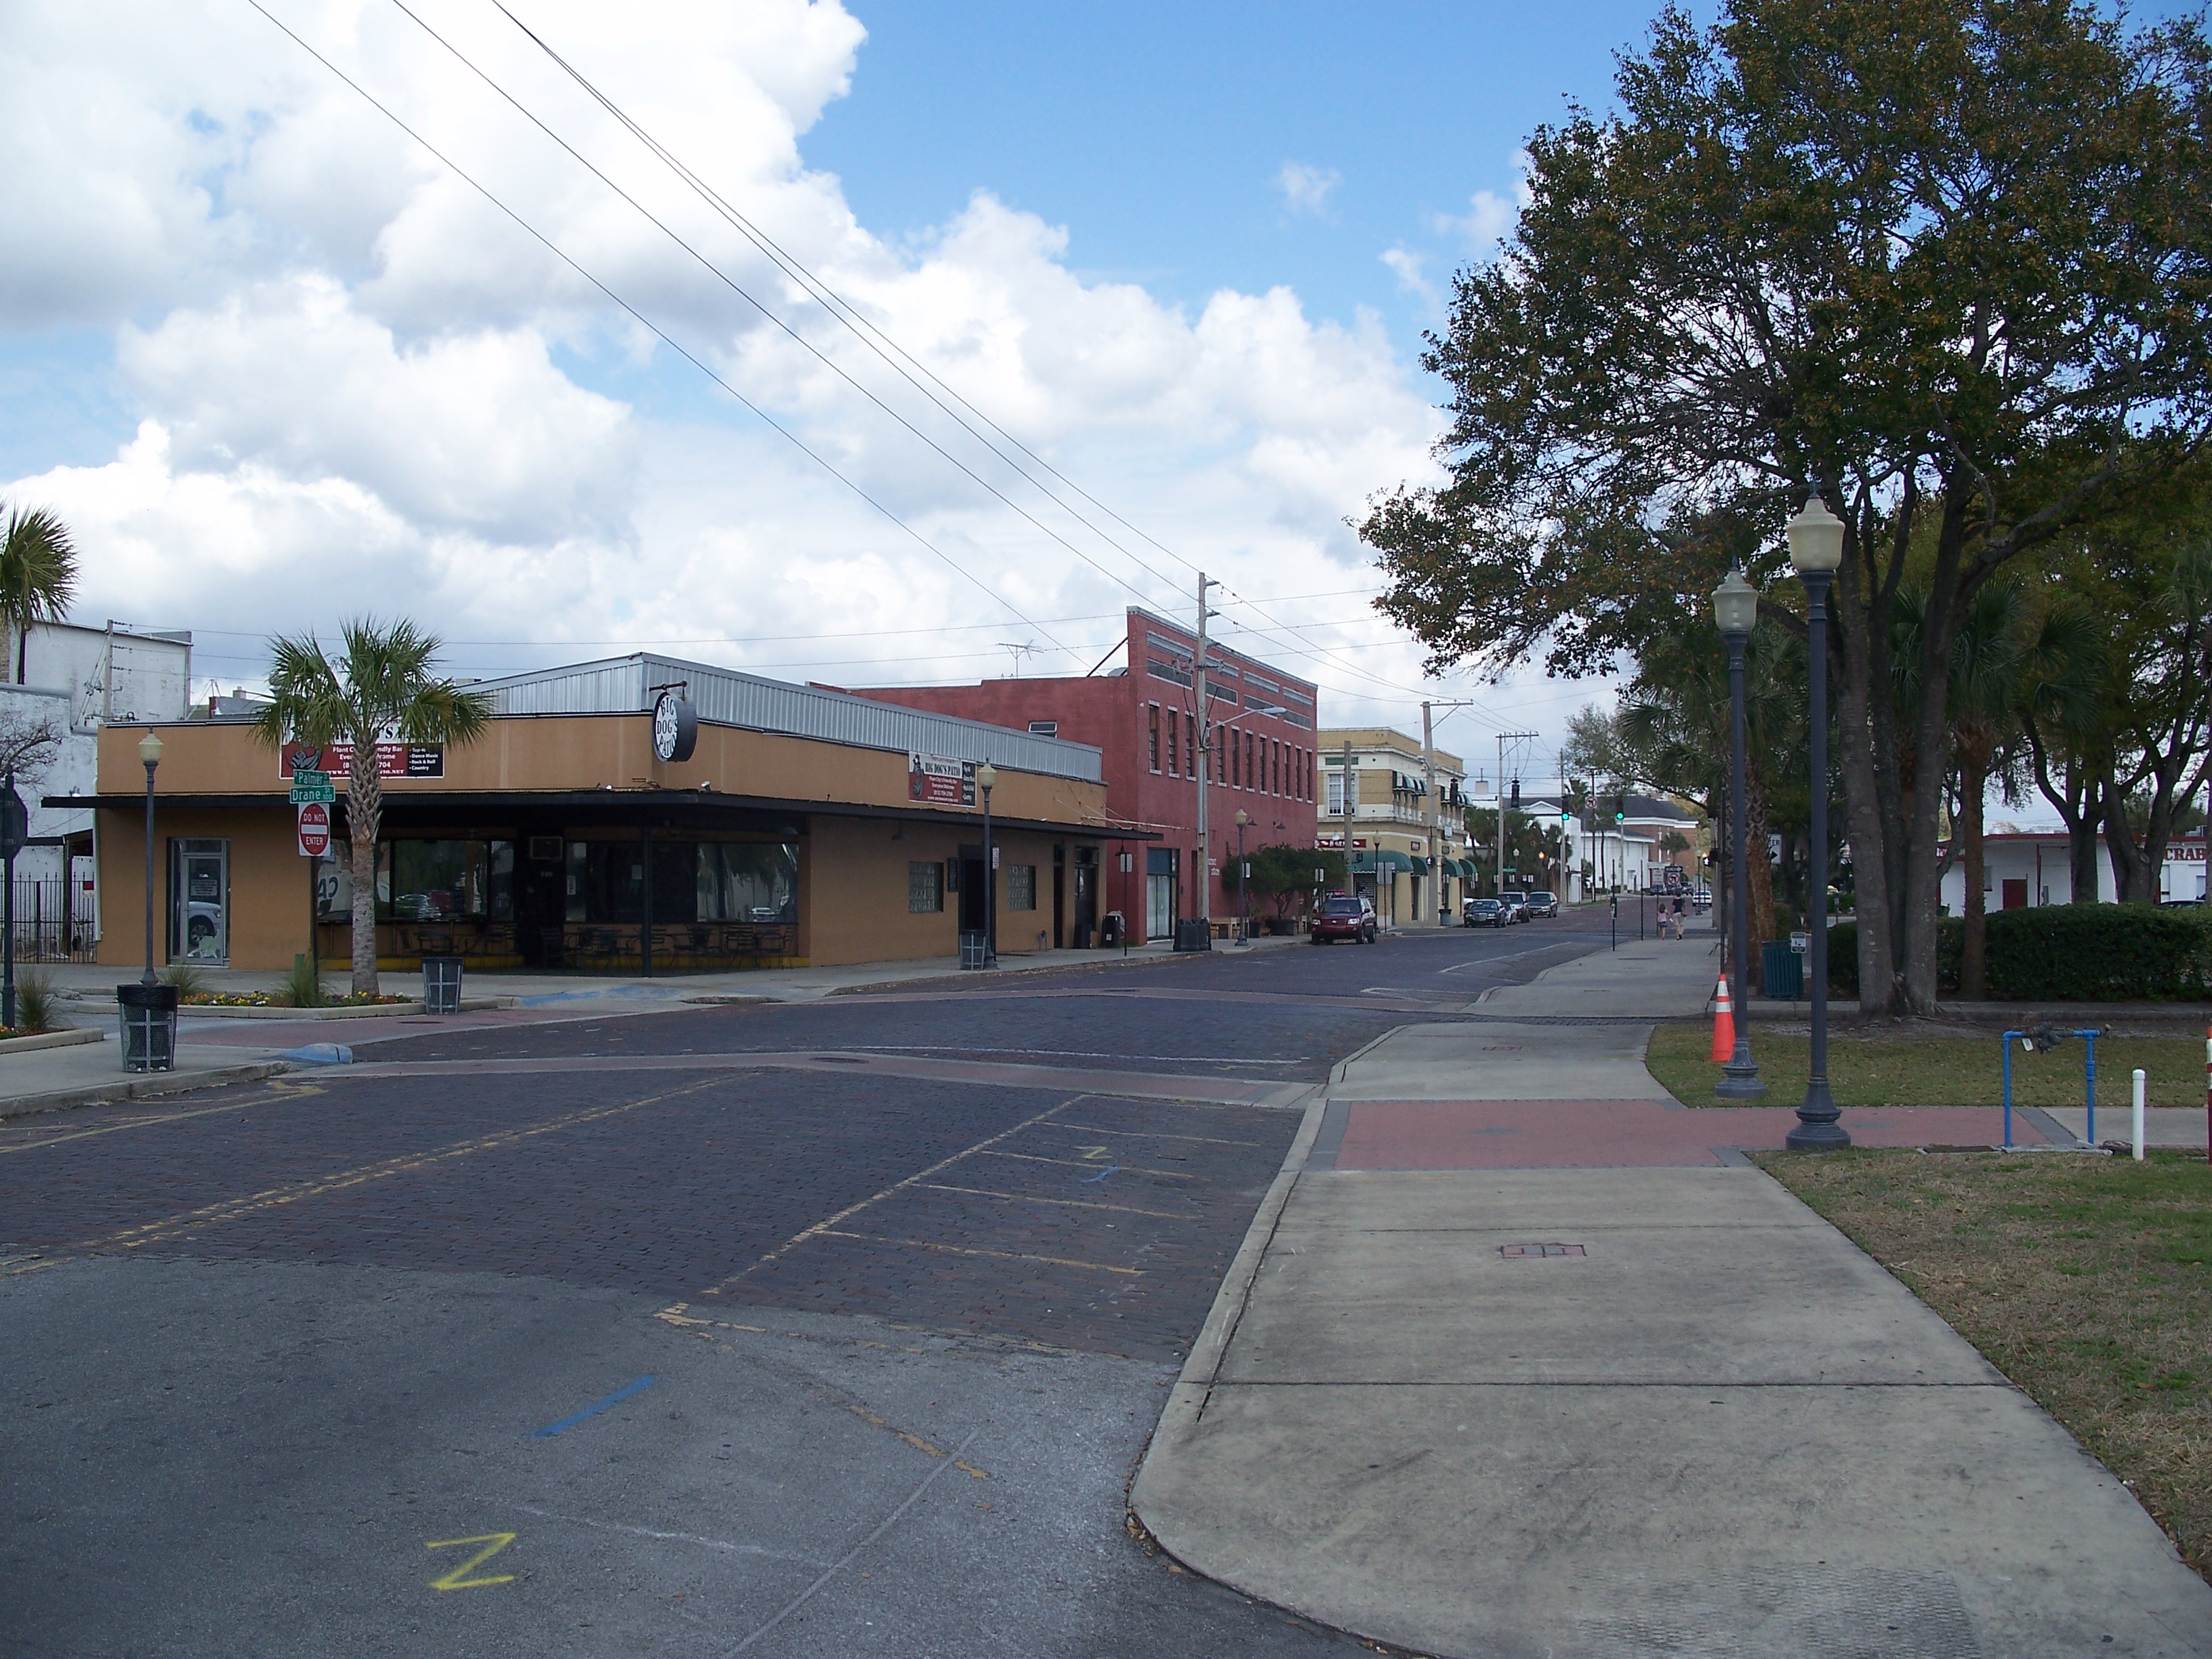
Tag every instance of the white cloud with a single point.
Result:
(359, 387)
(1490, 217)
(1305, 188)
(1407, 267)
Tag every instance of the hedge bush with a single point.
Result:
(2065, 953)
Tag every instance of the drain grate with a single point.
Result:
(1530, 1252)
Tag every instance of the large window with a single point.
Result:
(925, 888)
(1172, 744)
(1021, 887)
(692, 881)
(445, 880)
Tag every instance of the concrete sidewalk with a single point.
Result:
(1571, 1409)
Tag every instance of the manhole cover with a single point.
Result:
(1530, 1252)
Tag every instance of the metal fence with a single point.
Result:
(46, 928)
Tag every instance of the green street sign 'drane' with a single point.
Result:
(313, 788)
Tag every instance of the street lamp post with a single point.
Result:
(1243, 919)
(1816, 548)
(1735, 608)
(986, 776)
(149, 754)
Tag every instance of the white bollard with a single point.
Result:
(2139, 1115)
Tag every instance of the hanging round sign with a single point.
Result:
(675, 727)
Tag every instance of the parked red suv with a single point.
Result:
(1342, 916)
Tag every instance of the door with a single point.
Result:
(1086, 893)
(541, 901)
(1160, 892)
(2016, 893)
(972, 891)
(1060, 898)
(199, 900)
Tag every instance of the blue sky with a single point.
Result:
(1156, 133)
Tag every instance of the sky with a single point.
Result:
(278, 364)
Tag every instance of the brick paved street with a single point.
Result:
(290, 1338)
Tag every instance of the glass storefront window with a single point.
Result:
(1021, 887)
(445, 880)
(692, 881)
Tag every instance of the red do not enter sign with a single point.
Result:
(314, 830)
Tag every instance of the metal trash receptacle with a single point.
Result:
(442, 985)
(1191, 934)
(974, 950)
(1110, 930)
(1783, 971)
(149, 1027)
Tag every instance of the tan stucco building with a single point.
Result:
(804, 827)
(1374, 807)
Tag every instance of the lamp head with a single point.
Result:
(1736, 605)
(1816, 538)
(987, 774)
(149, 749)
(1241, 819)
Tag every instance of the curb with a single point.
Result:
(1193, 1385)
(62, 1039)
(144, 1086)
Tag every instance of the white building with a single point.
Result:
(1604, 854)
(80, 680)
(2023, 868)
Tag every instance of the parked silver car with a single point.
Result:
(1543, 905)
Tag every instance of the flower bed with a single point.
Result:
(277, 999)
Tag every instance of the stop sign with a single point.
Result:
(314, 830)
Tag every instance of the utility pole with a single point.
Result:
(1504, 738)
(1435, 843)
(1205, 763)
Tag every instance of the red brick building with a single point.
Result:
(1143, 715)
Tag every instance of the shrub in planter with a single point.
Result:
(2100, 953)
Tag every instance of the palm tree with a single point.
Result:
(378, 689)
(38, 574)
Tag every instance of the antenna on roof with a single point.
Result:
(1019, 651)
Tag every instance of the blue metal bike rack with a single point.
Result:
(2088, 1077)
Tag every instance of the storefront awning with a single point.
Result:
(675, 808)
(1369, 864)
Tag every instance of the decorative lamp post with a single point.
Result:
(149, 754)
(1735, 608)
(1816, 549)
(986, 776)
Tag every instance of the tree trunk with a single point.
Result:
(364, 817)
(1761, 868)
(1973, 974)
(1863, 793)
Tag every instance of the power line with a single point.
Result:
(885, 347)
(738, 288)
(657, 330)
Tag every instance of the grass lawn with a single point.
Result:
(2086, 1281)
(1912, 1070)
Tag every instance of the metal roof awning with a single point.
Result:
(685, 809)
(1369, 864)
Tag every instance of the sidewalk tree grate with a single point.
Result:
(1530, 1252)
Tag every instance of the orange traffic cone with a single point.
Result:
(1724, 1024)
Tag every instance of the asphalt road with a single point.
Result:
(794, 1330)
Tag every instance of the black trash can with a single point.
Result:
(1191, 934)
(1110, 931)
(149, 1027)
(1784, 971)
(442, 985)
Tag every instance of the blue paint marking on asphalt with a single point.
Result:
(319, 1053)
(614, 1399)
(1092, 1181)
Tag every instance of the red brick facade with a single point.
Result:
(1142, 716)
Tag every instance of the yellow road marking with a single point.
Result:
(277, 1091)
(1070, 1203)
(212, 1215)
(493, 1543)
(999, 1256)
(822, 1227)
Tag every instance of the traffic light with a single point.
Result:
(1566, 813)
(1620, 809)
(1516, 794)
